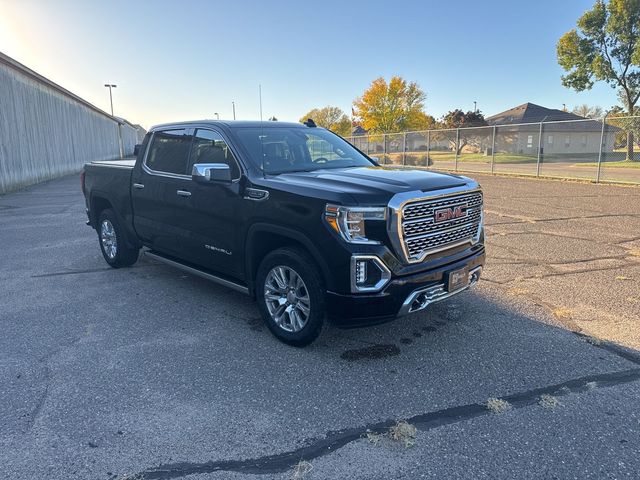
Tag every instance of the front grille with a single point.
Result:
(421, 234)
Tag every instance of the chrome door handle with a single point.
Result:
(139, 186)
(183, 193)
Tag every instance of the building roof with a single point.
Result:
(532, 113)
(358, 130)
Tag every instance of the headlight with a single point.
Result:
(350, 222)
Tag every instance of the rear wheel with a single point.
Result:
(291, 296)
(114, 248)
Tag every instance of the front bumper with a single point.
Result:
(402, 295)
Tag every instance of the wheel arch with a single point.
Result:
(265, 238)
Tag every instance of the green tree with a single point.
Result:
(605, 47)
(586, 111)
(391, 107)
(331, 118)
(459, 119)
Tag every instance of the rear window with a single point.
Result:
(169, 152)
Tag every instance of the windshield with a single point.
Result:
(280, 149)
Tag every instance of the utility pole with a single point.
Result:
(233, 105)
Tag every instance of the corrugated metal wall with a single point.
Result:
(45, 133)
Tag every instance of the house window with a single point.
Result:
(530, 141)
(550, 139)
(567, 141)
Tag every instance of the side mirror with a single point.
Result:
(211, 172)
(136, 149)
(375, 160)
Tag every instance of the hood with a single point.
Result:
(368, 185)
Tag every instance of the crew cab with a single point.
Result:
(292, 215)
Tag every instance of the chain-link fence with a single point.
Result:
(597, 150)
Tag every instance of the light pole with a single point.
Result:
(217, 116)
(110, 86)
(233, 105)
(120, 144)
(475, 107)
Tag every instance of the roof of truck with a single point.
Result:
(234, 124)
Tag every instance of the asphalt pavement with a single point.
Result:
(150, 373)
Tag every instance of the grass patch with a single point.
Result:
(301, 469)
(497, 405)
(548, 401)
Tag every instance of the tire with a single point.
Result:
(291, 296)
(112, 241)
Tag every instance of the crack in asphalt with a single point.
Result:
(334, 440)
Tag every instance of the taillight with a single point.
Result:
(82, 182)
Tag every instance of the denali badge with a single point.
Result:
(217, 249)
(450, 213)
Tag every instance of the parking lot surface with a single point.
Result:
(150, 373)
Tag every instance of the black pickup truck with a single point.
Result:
(294, 216)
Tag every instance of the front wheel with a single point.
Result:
(114, 248)
(291, 296)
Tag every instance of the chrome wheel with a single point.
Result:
(108, 239)
(287, 298)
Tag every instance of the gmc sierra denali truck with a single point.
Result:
(294, 216)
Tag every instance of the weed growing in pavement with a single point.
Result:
(562, 313)
(593, 340)
(548, 401)
(403, 432)
(373, 437)
(300, 469)
(497, 405)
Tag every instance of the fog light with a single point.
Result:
(361, 272)
(368, 273)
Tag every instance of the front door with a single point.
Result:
(214, 210)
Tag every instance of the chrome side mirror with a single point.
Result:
(211, 172)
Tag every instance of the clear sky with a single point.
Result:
(187, 59)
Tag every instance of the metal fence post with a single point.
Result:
(600, 150)
(457, 143)
(493, 149)
(428, 147)
(384, 149)
(404, 148)
(539, 151)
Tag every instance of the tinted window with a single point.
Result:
(169, 152)
(209, 147)
(292, 149)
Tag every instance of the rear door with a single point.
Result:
(160, 191)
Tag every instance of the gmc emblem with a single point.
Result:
(449, 213)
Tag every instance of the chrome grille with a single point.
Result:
(422, 235)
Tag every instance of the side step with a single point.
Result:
(194, 271)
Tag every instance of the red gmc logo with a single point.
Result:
(450, 213)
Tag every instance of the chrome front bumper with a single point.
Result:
(423, 297)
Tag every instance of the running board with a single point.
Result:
(194, 271)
